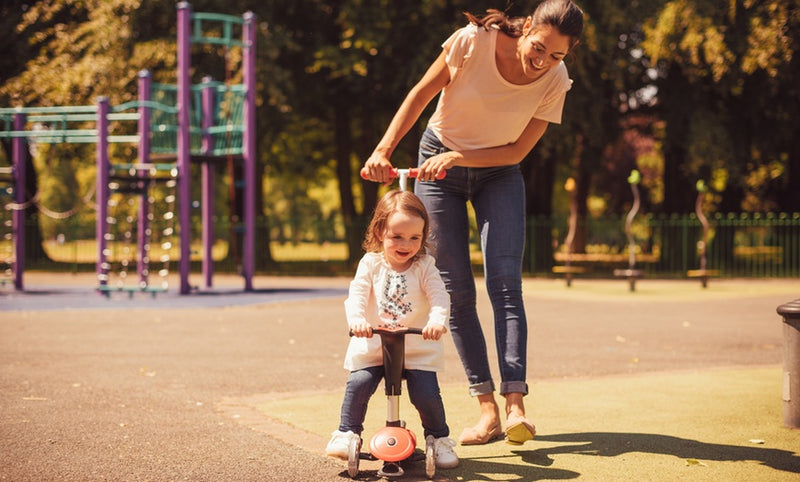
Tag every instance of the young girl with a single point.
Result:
(396, 282)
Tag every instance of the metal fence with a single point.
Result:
(751, 245)
(739, 245)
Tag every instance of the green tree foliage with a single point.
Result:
(610, 77)
(714, 91)
(728, 91)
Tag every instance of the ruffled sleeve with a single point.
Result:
(355, 305)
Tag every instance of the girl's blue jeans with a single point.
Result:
(497, 195)
(423, 392)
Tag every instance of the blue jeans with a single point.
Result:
(423, 392)
(497, 195)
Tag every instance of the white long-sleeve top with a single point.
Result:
(380, 295)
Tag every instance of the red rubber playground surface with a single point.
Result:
(670, 382)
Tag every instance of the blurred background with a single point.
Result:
(700, 97)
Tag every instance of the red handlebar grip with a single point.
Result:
(414, 171)
(411, 173)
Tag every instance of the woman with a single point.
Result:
(502, 81)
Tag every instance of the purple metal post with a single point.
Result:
(184, 140)
(143, 266)
(18, 216)
(249, 151)
(209, 98)
(102, 190)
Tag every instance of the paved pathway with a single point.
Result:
(167, 389)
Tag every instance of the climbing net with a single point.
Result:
(121, 255)
(125, 225)
(7, 253)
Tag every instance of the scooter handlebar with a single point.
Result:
(412, 172)
(394, 330)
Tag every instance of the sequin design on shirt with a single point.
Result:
(395, 290)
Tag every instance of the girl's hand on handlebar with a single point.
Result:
(433, 332)
(361, 330)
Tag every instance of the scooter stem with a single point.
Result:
(393, 411)
(394, 352)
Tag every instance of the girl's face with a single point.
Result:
(541, 49)
(402, 239)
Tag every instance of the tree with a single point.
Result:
(377, 51)
(727, 91)
(81, 50)
(610, 77)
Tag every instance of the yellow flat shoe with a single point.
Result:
(520, 432)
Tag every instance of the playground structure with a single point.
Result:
(568, 270)
(702, 273)
(6, 224)
(631, 273)
(175, 126)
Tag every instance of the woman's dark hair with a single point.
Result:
(563, 15)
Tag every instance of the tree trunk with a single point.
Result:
(344, 174)
(539, 175)
(263, 252)
(583, 184)
(678, 191)
(34, 246)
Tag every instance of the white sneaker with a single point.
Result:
(446, 458)
(339, 444)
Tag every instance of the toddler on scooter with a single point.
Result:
(396, 283)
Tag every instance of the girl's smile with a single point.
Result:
(402, 239)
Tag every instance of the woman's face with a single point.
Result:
(541, 49)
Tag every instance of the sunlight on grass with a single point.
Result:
(85, 251)
(308, 251)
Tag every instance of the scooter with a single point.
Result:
(393, 443)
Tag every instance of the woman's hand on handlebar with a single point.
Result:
(434, 167)
(379, 169)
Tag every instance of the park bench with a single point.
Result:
(106, 290)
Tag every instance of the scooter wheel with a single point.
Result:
(430, 457)
(353, 457)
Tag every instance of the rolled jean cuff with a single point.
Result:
(513, 387)
(483, 388)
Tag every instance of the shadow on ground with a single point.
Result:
(610, 444)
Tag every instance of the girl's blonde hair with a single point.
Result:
(392, 202)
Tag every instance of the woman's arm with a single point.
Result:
(506, 155)
(435, 79)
